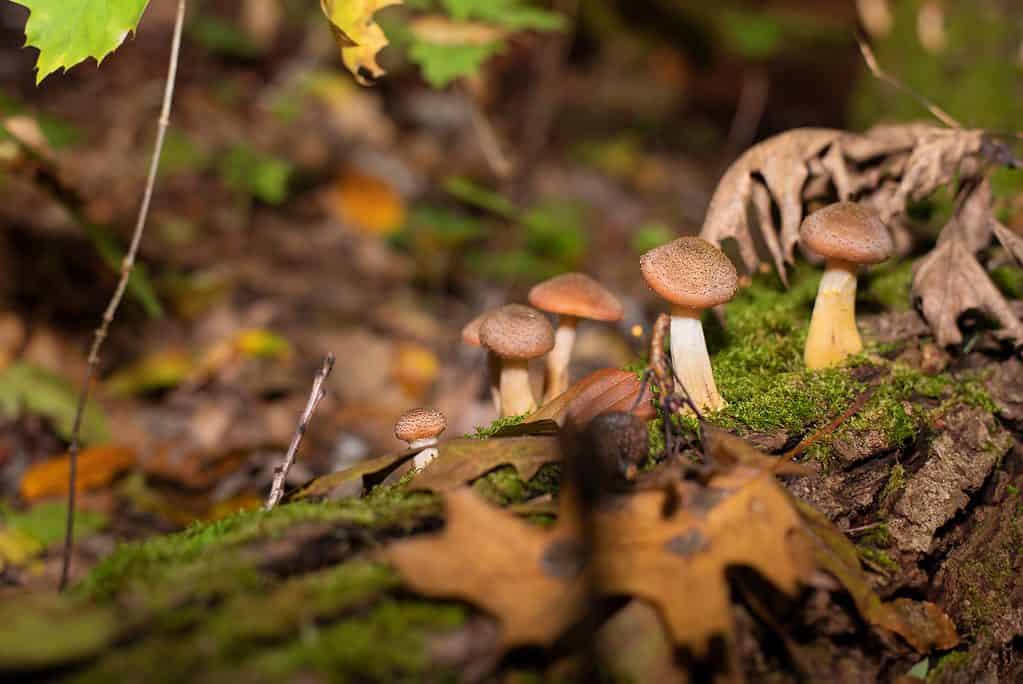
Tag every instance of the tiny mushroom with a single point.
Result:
(848, 236)
(420, 428)
(516, 333)
(471, 337)
(572, 296)
(693, 275)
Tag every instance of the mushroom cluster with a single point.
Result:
(692, 275)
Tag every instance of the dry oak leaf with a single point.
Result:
(678, 562)
(950, 281)
(97, 467)
(358, 35)
(782, 163)
(461, 461)
(938, 156)
(607, 389)
(526, 576)
(1012, 242)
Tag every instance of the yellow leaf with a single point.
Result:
(17, 548)
(367, 203)
(158, 371)
(358, 35)
(262, 344)
(415, 368)
(96, 467)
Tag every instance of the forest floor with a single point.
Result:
(270, 248)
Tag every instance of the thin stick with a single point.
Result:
(281, 471)
(487, 138)
(879, 73)
(827, 429)
(127, 266)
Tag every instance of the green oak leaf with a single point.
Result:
(68, 32)
(442, 64)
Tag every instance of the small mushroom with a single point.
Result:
(471, 337)
(420, 428)
(572, 296)
(693, 275)
(848, 236)
(516, 334)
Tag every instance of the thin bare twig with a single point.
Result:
(749, 111)
(879, 73)
(127, 266)
(281, 471)
(826, 430)
(487, 138)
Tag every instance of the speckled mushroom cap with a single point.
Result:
(690, 272)
(847, 231)
(419, 423)
(471, 331)
(576, 294)
(515, 331)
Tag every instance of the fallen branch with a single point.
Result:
(281, 471)
(127, 266)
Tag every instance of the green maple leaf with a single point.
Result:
(68, 32)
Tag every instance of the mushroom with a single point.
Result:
(847, 235)
(692, 275)
(420, 428)
(471, 337)
(516, 334)
(572, 296)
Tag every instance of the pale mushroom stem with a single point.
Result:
(516, 394)
(691, 361)
(558, 358)
(494, 376)
(423, 458)
(833, 335)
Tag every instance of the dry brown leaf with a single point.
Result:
(522, 574)
(950, 281)
(354, 480)
(678, 562)
(782, 162)
(463, 460)
(608, 389)
(939, 155)
(97, 467)
(1010, 240)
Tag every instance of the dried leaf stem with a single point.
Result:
(127, 266)
(281, 471)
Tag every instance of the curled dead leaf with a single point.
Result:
(463, 460)
(608, 389)
(358, 35)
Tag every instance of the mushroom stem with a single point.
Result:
(423, 458)
(516, 395)
(494, 376)
(690, 360)
(833, 335)
(556, 378)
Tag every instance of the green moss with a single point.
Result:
(878, 559)
(504, 486)
(889, 285)
(386, 644)
(211, 549)
(488, 431)
(948, 662)
(895, 484)
(1009, 280)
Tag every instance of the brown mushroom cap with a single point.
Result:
(419, 423)
(576, 294)
(515, 331)
(471, 331)
(847, 231)
(690, 272)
